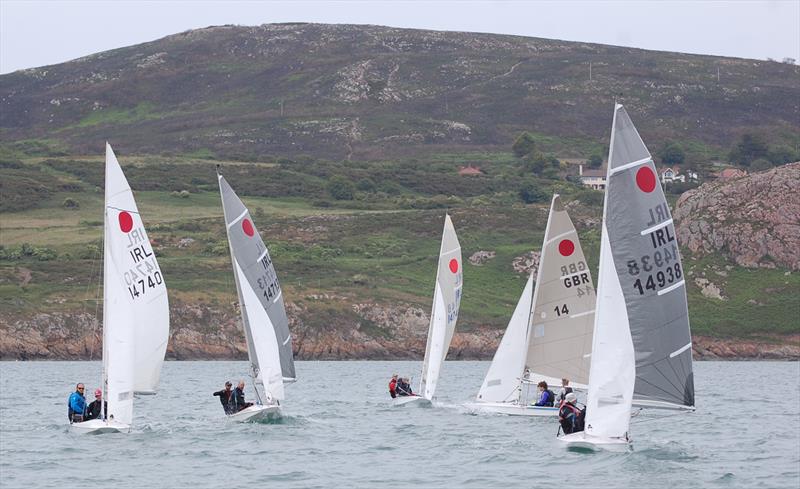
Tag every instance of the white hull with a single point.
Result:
(512, 409)
(416, 400)
(97, 426)
(581, 440)
(255, 413)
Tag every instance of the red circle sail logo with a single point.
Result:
(646, 179)
(125, 221)
(247, 227)
(454, 265)
(566, 247)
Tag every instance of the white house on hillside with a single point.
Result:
(595, 179)
(673, 174)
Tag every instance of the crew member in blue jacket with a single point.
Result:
(546, 396)
(77, 405)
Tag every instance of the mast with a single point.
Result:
(104, 380)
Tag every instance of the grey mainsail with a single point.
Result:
(647, 261)
(259, 290)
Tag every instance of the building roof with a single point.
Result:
(470, 170)
(594, 173)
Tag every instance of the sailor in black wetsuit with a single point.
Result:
(95, 410)
(226, 398)
(237, 399)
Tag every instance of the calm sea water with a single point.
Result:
(342, 432)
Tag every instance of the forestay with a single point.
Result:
(269, 342)
(647, 261)
(135, 305)
(446, 302)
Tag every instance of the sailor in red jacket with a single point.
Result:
(393, 386)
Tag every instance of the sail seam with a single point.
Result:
(630, 165)
(586, 313)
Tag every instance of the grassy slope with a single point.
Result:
(384, 255)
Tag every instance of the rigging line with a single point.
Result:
(681, 375)
(653, 385)
(678, 389)
(96, 302)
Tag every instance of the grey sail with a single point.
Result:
(647, 261)
(252, 260)
(562, 319)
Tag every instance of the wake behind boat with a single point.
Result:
(266, 327)
(549, 336)
(135, 308)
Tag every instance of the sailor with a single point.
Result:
(565, 389)
(95, 409)
(393, 386)
(404, 388)
(546, 396)
(77, 405)
(237, 399)
(225, 397)
(570, 416)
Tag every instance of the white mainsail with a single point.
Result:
(550, 332)
(135, 304)
(266, 326)
(446, 302)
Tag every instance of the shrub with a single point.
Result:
(341, 188)
(71, 204)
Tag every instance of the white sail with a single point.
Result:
(135, 306)
(446, 302)
(612, 373)
(264, 318)
(503, 378)
(611, 376)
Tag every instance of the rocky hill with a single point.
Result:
(370, 92)
(753, 220)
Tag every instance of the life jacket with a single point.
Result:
(551, 398)
(393, 387)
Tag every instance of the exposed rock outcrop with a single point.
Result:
(753, 220)
(527, 263)
(480, 257)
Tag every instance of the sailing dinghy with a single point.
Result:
(642, 343)
(444, 314)
(135, 307)
(266, 327)
(549, 336)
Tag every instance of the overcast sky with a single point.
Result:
(37, 33)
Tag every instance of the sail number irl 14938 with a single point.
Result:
(656, 271)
